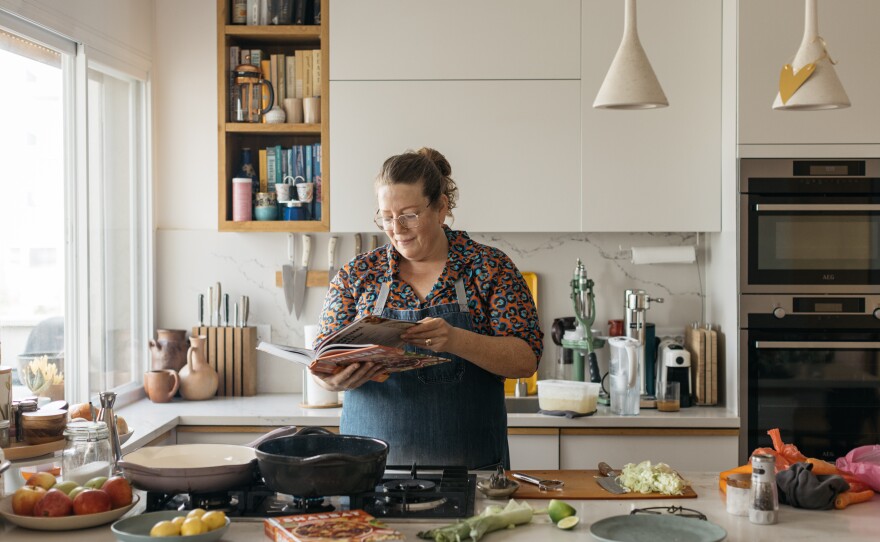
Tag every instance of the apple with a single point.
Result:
(119, 490)
(55, 503)
(76, 491)
(66, 487)
(96, 482)
(43, 479)
(25, 498)
(91, 501)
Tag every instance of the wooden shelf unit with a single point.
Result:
(234, 136)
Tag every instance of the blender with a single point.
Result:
(580, 340)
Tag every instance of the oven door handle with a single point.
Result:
(816, 207)
(815, 345)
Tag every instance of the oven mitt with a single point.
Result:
(799, 487)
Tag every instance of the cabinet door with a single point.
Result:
(654, 170)
(455, 39)
(682, 452)
(513, 147)
(770, 34)
(533, 449)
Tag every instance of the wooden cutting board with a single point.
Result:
(581, 484)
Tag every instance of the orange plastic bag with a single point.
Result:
(785, 454)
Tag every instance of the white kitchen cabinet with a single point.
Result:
(654, 170)
(770, 34)
(514, 148)
(684, 449)
(454, 39)
(533, 448)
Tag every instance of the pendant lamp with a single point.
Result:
(630, 82)
(810, 82)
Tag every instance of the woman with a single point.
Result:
(472, 307)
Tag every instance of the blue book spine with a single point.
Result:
(317, 167)
(307, 151)
(270, 169)
(300, 163)
(279, 176)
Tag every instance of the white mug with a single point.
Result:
(312, 109)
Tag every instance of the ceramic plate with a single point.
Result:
(649, 528)
(66, 523)
(137, 528)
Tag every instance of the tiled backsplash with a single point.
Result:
(189, 261)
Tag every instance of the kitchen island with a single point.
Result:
(856, 523)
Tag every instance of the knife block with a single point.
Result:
(232, 352)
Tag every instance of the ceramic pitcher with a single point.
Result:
(198, 380)
(169, 349)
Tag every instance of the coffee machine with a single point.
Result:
(675, 366)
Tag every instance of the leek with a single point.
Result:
(493, 518)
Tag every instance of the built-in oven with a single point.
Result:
(809, 226)
(813, 371)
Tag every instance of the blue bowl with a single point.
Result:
(268, 212)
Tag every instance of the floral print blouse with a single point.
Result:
(499, 300)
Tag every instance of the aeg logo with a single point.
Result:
(828, 276)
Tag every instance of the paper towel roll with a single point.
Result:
(647, 255)
(314, 394)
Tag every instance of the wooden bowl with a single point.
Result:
(43, 426)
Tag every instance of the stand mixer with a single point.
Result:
(584, 303)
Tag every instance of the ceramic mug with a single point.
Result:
(161, 385)
(293, 107)
(312, 109)
(305, 192)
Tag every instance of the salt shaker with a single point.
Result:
(108, 398)
(764, 503)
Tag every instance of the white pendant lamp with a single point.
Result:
(810, 82)
(630, 82)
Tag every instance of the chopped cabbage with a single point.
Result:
(647, 478)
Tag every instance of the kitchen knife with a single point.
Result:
(332, 268)
(210, 306)
(245, 310)
(608, 479)
(299, 280)
(201, 310)
(287, 274)
(357, 244)
(225, 321)
(217, 308)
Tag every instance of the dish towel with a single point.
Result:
(799, 487)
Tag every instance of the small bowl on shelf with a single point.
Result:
(43, 426)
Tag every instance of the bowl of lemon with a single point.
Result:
(172, 526)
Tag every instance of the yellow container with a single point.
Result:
(532, 381)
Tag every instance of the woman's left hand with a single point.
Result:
(431, 333)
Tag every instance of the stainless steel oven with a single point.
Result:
(809, 226)
(813, 371)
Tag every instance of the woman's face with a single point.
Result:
(414, 243)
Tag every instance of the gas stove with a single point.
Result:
(412, 492)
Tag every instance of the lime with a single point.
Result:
(568, 523)
(558, 510)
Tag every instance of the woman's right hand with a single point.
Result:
(353, 376)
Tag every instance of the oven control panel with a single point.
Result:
(767, 309)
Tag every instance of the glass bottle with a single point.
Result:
(87, 453)
(248, 171)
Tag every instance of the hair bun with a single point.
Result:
(437, 159)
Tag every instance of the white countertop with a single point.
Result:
(150, 420)
(856, 523)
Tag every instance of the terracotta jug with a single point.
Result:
(161, 385)
(169, 350)
(198, 380)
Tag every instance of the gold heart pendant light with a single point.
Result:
(789, 81)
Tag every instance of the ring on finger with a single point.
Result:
(427, 342)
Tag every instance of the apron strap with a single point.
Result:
(382, 298)
(461, 295)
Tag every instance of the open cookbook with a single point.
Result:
(368, 339)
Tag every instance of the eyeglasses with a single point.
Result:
(407, 221)
(674, 510)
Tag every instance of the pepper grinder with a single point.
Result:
(764, 502)
(106, 415)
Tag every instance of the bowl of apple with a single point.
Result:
(45, 504)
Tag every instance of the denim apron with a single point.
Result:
(448, 414)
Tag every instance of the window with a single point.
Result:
(74, 211)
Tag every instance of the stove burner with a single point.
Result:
(283, 505)
(409, 485)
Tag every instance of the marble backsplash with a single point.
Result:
(189, 261)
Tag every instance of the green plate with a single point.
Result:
(137, 528)
(650, 528)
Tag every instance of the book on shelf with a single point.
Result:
(317, 161)
(263, 169)
(298, 75)
(368, 339)
(256, 58)
(316, 72)
(307, 74)
(290, 76)
(339, 526)
(299, 11)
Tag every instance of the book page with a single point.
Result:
(369, 330)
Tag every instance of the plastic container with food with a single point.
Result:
(568, 395)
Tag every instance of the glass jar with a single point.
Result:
(87, 453)
(739, 487)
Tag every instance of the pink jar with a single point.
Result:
(241, 200)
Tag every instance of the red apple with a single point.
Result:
(55, 503)
(25, 498)
(119, 490)
(91, 501)
(43, 479)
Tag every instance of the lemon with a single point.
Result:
(214, 520)
(192, 526)
(568, 522)
(165, 528)
(196, 513)
(558, 510)
(178, 521)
